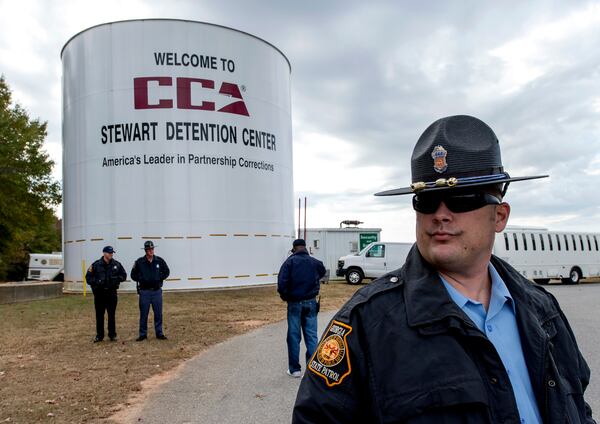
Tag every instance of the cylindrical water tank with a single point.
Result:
(177, 132)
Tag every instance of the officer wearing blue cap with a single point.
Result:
(104, 277)
(456, 335)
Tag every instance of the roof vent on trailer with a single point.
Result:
(350, 222)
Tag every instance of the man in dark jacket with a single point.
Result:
(456, 335)
(149, 272)
(104, 277)
(298, 285)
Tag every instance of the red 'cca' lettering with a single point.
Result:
(184, 95)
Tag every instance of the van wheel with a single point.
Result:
(574, 277)
(542, 281)
(59, 277)
(354, 276)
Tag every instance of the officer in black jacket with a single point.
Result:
(456, 335)
(298, 284)
(149, 272)
(104, 277)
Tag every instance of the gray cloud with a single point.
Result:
(377, 74)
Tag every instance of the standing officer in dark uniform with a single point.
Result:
(104, 277)
(149, 272)
(456, 335)
(298, 285)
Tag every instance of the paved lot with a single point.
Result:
(581, 305)
(244, 380)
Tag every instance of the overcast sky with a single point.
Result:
(369, 77)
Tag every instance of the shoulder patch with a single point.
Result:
(90, 268)
(331, 360)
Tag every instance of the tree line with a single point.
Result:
(28, 194)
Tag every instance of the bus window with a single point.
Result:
(506, 246)
(516, 241)
(581, 242)
(524, 241)
(566, 242)
(558, 242)
(550, 242)
(533, 241)
(542, 242)
(589, 242)
(574, 242)
(596, 243)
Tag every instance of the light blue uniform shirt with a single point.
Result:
(499, 324)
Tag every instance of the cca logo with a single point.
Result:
(184, 95)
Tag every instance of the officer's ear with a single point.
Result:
(502, 212)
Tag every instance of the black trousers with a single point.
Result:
(105, 300)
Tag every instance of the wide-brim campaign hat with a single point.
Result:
(149, 245)
(456, 152)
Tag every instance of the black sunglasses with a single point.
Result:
(457, 202)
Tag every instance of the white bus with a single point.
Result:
(46, 266)
(541, 255)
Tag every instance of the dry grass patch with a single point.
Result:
(51, 371)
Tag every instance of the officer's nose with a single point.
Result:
(442, 214)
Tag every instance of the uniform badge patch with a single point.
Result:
(438, 154)
(331, 361)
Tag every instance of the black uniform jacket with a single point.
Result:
(299, 276)
(401, 351)
(150, 275)
(108, 276)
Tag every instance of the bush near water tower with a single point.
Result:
(27, 191)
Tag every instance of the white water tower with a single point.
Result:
(177, 132)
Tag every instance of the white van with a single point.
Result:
(46, 266)
(375, 260)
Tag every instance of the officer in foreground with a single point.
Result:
(104, 277)
(149, 272)
(298, 284)
(456, 335)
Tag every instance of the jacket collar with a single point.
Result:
(428, 301)
(525, 294)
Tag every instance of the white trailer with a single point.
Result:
(542, 255)
(46, 266)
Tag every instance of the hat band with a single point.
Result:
(456, 182)
(459, 173)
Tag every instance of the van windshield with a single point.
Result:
(363, 251)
